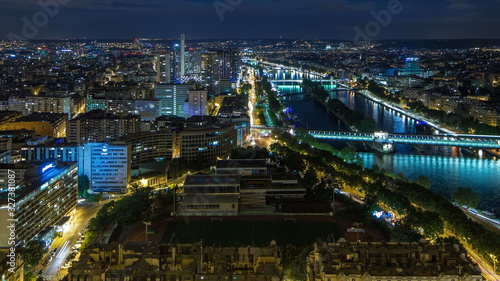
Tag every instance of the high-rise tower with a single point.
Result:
(183, 55)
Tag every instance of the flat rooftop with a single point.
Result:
(201, 180)
(242, 164)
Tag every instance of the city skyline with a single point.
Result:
(287, 19)
(136, 143)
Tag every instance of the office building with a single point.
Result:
(146, 109)
(196, 104)
(107, 165)
(183, 56)
(412, 64)
(146, 147)
(45, 193)
(193, 66)
(5, 156)
(239, 186)
(212, 142)
(389, 261)
(220, 65)
(211, 195)
(171, 98)
(95, 103)
(99, 126)
(260, 184)
(163, 67)
(51, 150)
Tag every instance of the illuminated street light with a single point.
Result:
(146, 223)
(494, 263)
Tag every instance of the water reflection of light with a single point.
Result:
(446, 173)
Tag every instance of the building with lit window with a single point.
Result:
(107, 165)
(44, 193)
(146, 109)
(5, 156)
(196, 104)
(99, 126)
(92, 103)
(389, 261)
(210, 141)
(150, 146)
(163, 67)
(50, 150)
(219, 65)
(412, 64)
(62, 152)
(171, 98)
(32, 104)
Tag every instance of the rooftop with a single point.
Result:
(241, 164)
(101, 114)
(43, 117)
(200, 180)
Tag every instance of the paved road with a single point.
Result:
(84, 212)
(490, 224)
(486, 269)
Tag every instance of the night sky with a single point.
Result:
(247, 19)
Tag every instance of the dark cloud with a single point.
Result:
(329, 19)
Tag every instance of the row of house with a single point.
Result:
(341, 261)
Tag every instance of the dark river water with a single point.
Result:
(446, 167)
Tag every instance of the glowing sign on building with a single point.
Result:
(47, 167)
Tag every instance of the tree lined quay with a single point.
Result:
(419, 211)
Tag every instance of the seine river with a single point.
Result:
(446, 167)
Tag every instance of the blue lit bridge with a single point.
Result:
(261, 127)
(281, 94)
(477, 141)
(299, 81)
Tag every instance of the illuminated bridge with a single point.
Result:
(477, 141)
(260, 127)
(299, 81)
(281, 94)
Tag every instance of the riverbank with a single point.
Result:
(428, 214)
(445, 167)
(366, 94)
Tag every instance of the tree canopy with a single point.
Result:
(466, 197)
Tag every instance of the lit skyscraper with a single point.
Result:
(172, 98)
(163, 68)
(183, 56)
(220, 65)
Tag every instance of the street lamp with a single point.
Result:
(173, 193)
(146, 223)
(494, 263)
